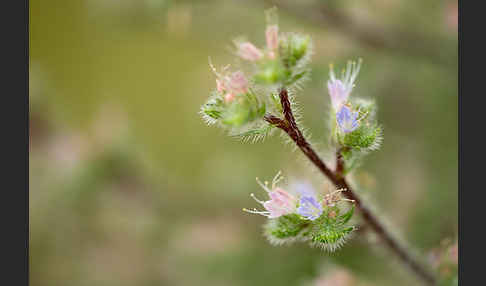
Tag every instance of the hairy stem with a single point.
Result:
(289, 125)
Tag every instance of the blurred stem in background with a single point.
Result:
(393, 40)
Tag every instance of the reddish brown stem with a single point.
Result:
(289, 125)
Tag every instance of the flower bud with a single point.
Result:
(248, 51)
(299, 45)
(238, 83)
(271, 35)
(270, 72)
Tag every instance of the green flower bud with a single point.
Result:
(365, 137)
(237, 114)
(270, 72)
(285, 226)
(299, 44)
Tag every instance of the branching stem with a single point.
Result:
(289, 126)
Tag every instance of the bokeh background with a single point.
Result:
(128, 186)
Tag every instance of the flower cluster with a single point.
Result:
(283, 59)
(304, 215)
(354, 123)
(240, 101)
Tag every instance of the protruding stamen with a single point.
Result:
(336, 191)
(277, 179)
(213, 68)
(218, 75)
(348, 200)
(263, 186)
(254, 211)
(256, 199)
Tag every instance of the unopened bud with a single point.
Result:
(248, 51)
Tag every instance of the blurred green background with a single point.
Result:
(129, 187)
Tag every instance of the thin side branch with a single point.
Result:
(290, 127)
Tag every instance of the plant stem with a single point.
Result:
(289, 125)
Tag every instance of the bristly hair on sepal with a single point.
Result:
(335, 244)
(286, 229)
(255, 135)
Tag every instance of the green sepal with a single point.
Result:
(299, 44)
(287, 226)
(293, 48)
(271, 72)
(296, 77)
(365, 137)
(329, 231)
(213, 108)
(343, 219)
(237, 113)
(330, 236)
(244, 109)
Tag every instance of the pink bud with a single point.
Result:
(249, 52)
(271, 35)
(238, 83)
(229, 97)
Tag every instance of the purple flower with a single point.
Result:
(347, 120)
(340, 89)
(309, 207)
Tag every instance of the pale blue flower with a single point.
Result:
(347, 119)
(309, 207)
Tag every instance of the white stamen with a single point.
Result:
(263, 186)
(356, 70)
(346, 78)
(214, 69)
(255, 198)
(254, 211)
(331, 74)
(336, 191)
(276, 179)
